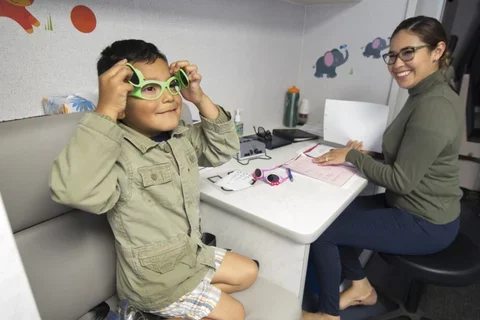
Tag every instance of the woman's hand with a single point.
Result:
(334, 156)
(358, 145)
(354, 144)
(338, 156)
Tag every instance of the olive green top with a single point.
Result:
(421, 148)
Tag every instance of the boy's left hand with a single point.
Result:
(193, 93)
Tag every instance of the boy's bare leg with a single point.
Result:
(228, 308)
(236, 273)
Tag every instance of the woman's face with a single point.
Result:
(425, 59)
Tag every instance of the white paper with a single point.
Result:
(319, 150)
(237, 180)
(313, 128)
(354, 120)
(16, 298)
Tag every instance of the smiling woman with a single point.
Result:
(419, 212)
(418, 48)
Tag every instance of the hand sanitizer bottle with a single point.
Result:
(238, 122)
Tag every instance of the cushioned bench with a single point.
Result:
(69, 255)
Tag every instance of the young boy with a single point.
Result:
(134, 160)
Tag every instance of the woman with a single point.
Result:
(419, 213)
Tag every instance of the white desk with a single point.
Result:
(274, 225)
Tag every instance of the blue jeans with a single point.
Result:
(369, 223)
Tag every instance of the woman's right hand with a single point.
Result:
(357, 145)
(113, 90)
(354, 144)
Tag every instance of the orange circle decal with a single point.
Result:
(83, 19)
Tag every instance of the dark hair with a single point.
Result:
(133, 50)
(430, 31)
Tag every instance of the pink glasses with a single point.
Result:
(273, 179)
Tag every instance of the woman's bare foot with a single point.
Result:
(360, 293)
(317, 316)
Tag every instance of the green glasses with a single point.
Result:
(151, 89)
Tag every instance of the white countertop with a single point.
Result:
(300, 210)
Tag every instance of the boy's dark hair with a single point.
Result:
(133, 50)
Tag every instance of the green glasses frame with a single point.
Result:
(138, 82)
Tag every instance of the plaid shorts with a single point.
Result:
(201, 301)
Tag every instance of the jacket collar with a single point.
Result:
(144, 143)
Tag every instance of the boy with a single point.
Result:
(133, 160)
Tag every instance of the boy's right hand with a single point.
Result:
(113, 90)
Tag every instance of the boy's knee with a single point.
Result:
(236, 312)
(251, 273)
(240, 312)
(228, 309)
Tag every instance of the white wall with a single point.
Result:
(247, 50)
(360, 78)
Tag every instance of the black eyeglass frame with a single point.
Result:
(262, 133)
(386, 56)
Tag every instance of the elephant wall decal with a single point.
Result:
(373, 49)
(327, 64)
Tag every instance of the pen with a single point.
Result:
(290, 176)
(308, 150)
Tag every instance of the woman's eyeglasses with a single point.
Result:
(406, 54)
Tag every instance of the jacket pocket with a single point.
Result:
(203, 257)
(156, 185)
(156, 174)
(163, 257)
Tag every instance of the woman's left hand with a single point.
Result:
(194, 92)
(334, 156)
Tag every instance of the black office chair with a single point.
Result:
(456, 266)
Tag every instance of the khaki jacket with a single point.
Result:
(150, 192)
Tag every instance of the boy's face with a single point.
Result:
(150, 117)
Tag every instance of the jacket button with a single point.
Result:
(154, 176)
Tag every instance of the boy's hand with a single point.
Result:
(113, 90)
(194, 93)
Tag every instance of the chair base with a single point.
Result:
(401, 312)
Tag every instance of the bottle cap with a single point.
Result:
(293, 90)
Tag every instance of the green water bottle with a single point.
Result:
(290, 116)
